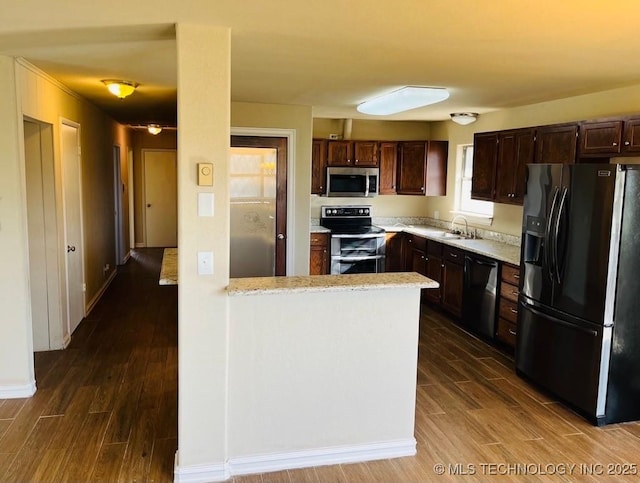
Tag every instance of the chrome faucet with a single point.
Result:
(466, 224)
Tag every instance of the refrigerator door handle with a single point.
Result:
(547, 235)
(556, 232)
(555, 320)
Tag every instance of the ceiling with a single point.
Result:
(334, 54)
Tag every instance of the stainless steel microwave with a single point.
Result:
(352, 182)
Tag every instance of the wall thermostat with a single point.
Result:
(205, 174)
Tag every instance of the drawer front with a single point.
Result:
(509, 292)
(508, 310)
(417, 242)
(319, 239)
(454, 255)
(506, 332)
(511, 274)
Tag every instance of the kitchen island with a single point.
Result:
(322, 369)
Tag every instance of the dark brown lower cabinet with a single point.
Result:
(434, 271)
(452, 280)
(507, 328)
(394, 252)
(319, 254)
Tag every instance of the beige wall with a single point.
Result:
(16, 352)
(204, 87)
(167, 139)
(245, 114)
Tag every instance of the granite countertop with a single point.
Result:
(169, 270)
(489, 248)
(328, 283)
(319, 229)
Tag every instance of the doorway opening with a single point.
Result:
(258, 195)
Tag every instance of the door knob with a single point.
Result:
(148, 205)
(280, 236)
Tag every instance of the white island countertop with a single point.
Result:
(328, 283)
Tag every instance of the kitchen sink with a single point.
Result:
(451, 236)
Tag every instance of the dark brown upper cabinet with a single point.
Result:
(339, 153)
(515, 151)
(600, 138)
(318, 165)
(352, 153)
(631, 136)
(422, 168)
(556, 143)
(388, 167)
(485, 156)
(365, 153)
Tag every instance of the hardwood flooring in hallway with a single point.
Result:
(106, 407)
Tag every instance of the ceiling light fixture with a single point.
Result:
(404, 99)
(464, 118)
(154, 129)
(120, 88)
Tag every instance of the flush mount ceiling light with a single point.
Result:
(404, 99)
(120, 88)
(464, 118)
(154, 129)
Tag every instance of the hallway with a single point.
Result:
(106, 407)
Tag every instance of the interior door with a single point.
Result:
(70, 146)
(258, 193)
(161, 202)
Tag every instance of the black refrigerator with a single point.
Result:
(579, 304)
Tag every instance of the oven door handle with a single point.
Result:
(366, 185)
(357, 235)
(356, 259)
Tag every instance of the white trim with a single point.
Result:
(17, 392)
(247, 465)
(101, 292)
(290, 134)
(140, 245)
(29, 66)
(200, 473)
(322, 456)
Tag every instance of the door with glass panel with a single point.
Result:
(258, 197)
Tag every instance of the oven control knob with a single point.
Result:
(360, 211)
(366, 211)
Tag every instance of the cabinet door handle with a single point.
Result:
(614, 144)
(422, 188)
(514, 311)
(626, 143)
(453, 255)
(516, 276)
(512, 332)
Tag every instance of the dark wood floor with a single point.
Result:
(106, 408)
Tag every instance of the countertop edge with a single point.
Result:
(328, 283)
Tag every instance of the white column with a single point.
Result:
(16, 343)
(203, 137)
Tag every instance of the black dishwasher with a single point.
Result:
(479, 299)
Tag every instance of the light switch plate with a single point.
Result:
(205, 204)
(205, 263)
(205, 174)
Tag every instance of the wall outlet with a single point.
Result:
(436, 215)
(106, 268)
(205, 263)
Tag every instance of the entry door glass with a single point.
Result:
(252, 191)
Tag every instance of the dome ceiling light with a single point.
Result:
(464, 118)
(120, 88)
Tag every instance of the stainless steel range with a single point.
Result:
(357, 246)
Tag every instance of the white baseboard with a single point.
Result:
(101, 292)
(16, 392)
(200, 473)
(298, 459)
(141, 245)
